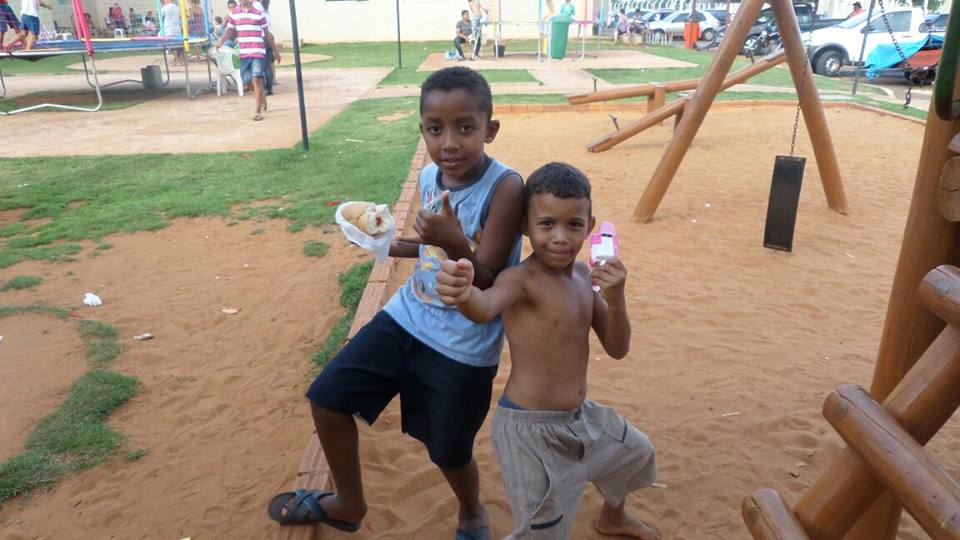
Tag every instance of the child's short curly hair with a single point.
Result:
(561, 180)
(453, 78)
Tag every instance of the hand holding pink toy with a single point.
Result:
(604, 245)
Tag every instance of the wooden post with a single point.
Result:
(897, 460)
(813, 115)
(697, 111)
(922, 402)
(657, 99)
(677, 119)
(928, 241)
(632, 91)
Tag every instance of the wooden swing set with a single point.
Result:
(691, 110)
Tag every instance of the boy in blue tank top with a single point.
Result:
(441, 364)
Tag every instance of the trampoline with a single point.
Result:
(87, 47)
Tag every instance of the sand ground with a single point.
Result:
(734, 346)
(629, 59)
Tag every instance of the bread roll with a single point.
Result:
(372, 219)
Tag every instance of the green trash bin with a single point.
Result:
(559, 32)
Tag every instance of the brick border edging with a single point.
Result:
(512, 108)
(313, 472)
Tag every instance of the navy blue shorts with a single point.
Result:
(8, 19)
(31, 24)
(443, 402)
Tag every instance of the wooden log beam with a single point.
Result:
(897, 460)
(813, 115)
(940, 293)
(768, 517)
(923, 402)
(632, 91)
(699, 105)
(629, 130)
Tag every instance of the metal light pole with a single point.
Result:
(863, 48)
(399, 55)
(299, 70)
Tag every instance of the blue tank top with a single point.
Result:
(416, 306)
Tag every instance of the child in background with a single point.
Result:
(8, 20)
(29, 24)
(249, 26)
(623, 25)
(440, 363)
(549, 438)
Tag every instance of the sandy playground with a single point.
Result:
(734, 346)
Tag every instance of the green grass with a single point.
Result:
(100, 342)
(75, 436)
(20, 282)
(189, 185)
(352, 283)
(492, 76)
(314, 248)
(58, 64)
(777, 76)
(103, 246)
(384, 54)
(37, 307)
(88, 99)
(72, 438)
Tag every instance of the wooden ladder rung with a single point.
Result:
(903, 466)
(940, 293)
(769, 518)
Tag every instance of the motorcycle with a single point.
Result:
(768, 41)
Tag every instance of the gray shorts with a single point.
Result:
(547, 457)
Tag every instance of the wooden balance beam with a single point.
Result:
(639, 90)
(676, 107)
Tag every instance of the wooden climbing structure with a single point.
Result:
(915, 386)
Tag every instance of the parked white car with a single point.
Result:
(831, 48)
(673, 24)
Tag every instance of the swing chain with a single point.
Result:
(803, 78)
(908, 97)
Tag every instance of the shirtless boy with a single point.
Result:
(549, 439)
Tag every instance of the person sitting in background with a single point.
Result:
(638, 27)
(115, 16)
(464, 34)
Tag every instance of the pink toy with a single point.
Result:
(604, 245)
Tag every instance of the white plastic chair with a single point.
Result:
(223, 59)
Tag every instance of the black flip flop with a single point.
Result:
(303, 508)
(480, 533)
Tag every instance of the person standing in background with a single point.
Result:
(170, 15)
(269, 75)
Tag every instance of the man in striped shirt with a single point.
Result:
(248, 27)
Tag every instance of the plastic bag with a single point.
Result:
(92, 300)
(379, 245)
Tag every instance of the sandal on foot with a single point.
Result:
(257, 117)
(303, 508)
(480, 533)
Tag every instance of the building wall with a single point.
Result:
(323, 21)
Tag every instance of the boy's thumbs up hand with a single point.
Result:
(455, 281)
(441, 229)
